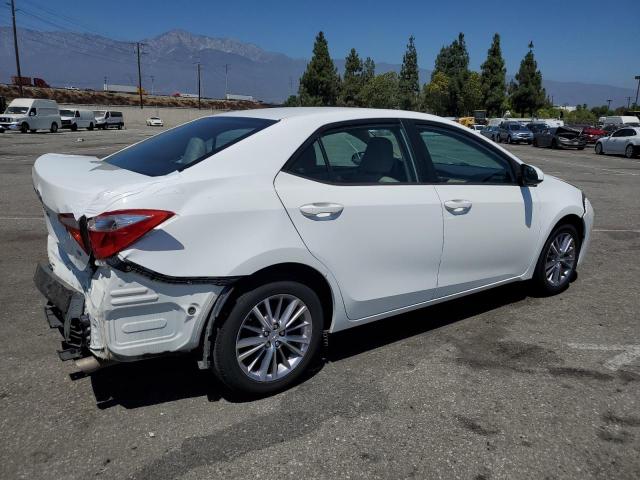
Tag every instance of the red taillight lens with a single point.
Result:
(112, 232)
(70, 223)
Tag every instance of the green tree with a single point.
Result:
(409, 84)
(601, 111)
(292, 101)
(581, 115)
(352, 81)
(435, 94)
(527, 94)
(368, 70)
(381, 91)
(471, 94)
(320, 83)
(493, 75)
(453, 61)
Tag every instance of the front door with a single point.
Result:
(352, 194)
(490, 223)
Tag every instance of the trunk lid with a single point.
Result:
(79, 185)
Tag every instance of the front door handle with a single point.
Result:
(321, 211)
(458, 207)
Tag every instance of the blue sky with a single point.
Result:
(586, 40)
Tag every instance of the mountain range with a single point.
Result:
(168, 63)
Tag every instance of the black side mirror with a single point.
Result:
(530, 176)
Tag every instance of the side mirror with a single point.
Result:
(530, 176)
(32, 113)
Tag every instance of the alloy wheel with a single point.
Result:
(274, 338)
(561, 259)
(628, 152)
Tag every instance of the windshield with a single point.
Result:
(67, 113)
(184, 146)
(18, 110)
(515, 126)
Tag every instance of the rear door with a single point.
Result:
(352, 193)
(490, 223)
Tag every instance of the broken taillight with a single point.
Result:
(112, 232)
(72, 226)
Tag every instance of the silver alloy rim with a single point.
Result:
(561, 259)
(274, 338)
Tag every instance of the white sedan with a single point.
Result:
(245, 237)
(155, 122)
(624, 141)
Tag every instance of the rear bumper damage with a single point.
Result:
(122, 316)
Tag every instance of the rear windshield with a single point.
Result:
(181, 147)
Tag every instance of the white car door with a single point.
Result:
(616, 142)
(491, 224)
(353, 196)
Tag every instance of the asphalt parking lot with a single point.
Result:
(497, 385)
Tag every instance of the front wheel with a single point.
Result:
(24, 127)
(599, 148)
(269, 338)
(90, 127)
(628, 152)
(74, 127)
(558, 260)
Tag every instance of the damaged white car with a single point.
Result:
(246, 237)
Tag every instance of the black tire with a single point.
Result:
(54, 127)
(628, 152)
(535, 142)
(540, 281)
(74, 127)
(580, 148)
(225, 365)
(120, 126)
(598, 149)
(554, 144)
(90, 127)
(24, 127)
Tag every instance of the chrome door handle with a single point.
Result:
(458, 207)
(322, 210)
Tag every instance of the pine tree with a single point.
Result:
(320, 83)
(353, 79)
(368, 70)
(453, 61)
(527, 94)
(409, 85)
(493, 80)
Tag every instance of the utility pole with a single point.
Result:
(152, 84)
(105, 87)
(637, 77)
(139, 74)
(199, 104)
(15, 46)
(628, 102)
(609, 104)
(226, 80)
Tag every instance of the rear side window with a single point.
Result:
(357, 155)
(181, 147)
(116, 114)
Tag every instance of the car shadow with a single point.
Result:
(168, 379)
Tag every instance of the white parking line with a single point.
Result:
(628, 355)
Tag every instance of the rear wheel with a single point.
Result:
(54, 127)
(558, 260)
(628, 152)
(90, 127)
(599, 148)
(269, 338)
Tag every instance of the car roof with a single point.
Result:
(329, 114)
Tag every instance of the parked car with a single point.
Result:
(75, 119)
(622, 121)
(514, 132)
(625, 141)
(109, 118)
(477, 127)
(537, 127)
(490, 132)
(559, 137)
(155, 122)
(285, 225)
(30, 115)
(592, 134)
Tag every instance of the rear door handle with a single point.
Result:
(458, 207)
(321, 210)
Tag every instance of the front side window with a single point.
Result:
(459, 159)
(367, 154)
(186, 145)
(619, 133)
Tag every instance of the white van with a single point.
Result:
(109, 118)
(75, 119)
(622, 120)
(31, 114)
